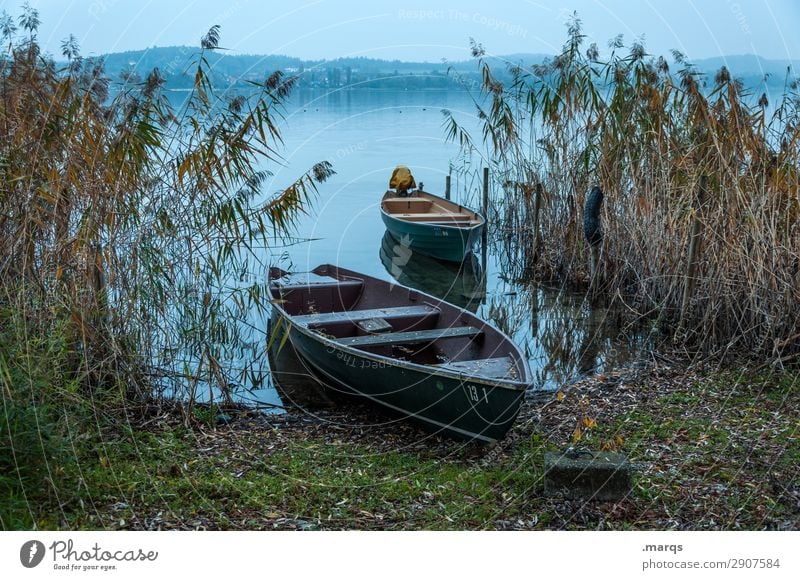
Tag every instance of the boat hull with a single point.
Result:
(464, 407)
(448, 243)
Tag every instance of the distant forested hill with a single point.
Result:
(175, 64)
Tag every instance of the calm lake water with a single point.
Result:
(365, 134)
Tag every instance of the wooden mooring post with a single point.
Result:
(485, 234)
(485, 204)
(537, 203)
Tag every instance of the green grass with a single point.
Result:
(708, 455)
(328, 484)
(33, 393)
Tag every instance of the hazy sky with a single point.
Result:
(420, 29)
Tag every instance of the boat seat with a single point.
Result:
(311, 292)
(411, 204)
(434, 217)
(317, 320)
(493, 368)
(310, 279)
(411, 199)
(412, 337)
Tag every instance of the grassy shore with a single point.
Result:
(712, 450)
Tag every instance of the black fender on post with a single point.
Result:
(591, 217)
(593, 230)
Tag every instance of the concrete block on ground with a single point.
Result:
(587, 475)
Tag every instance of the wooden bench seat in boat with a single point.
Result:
(434, 217)
(315, 281)
(316, 320)
(493, 368)
(309, 292)
(413, 337)
(409, 204)
(407, 200)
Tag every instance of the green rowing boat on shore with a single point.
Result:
(414, 354)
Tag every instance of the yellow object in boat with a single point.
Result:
(402, 180)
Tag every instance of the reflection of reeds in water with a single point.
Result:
(648, 136)
(291, 378)
(561, 333)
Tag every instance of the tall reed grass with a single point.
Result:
(131, 236)
(649, 135)
(137, 223)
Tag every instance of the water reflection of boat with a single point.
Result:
(431, 361)
(293, 381)
(460, 284)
